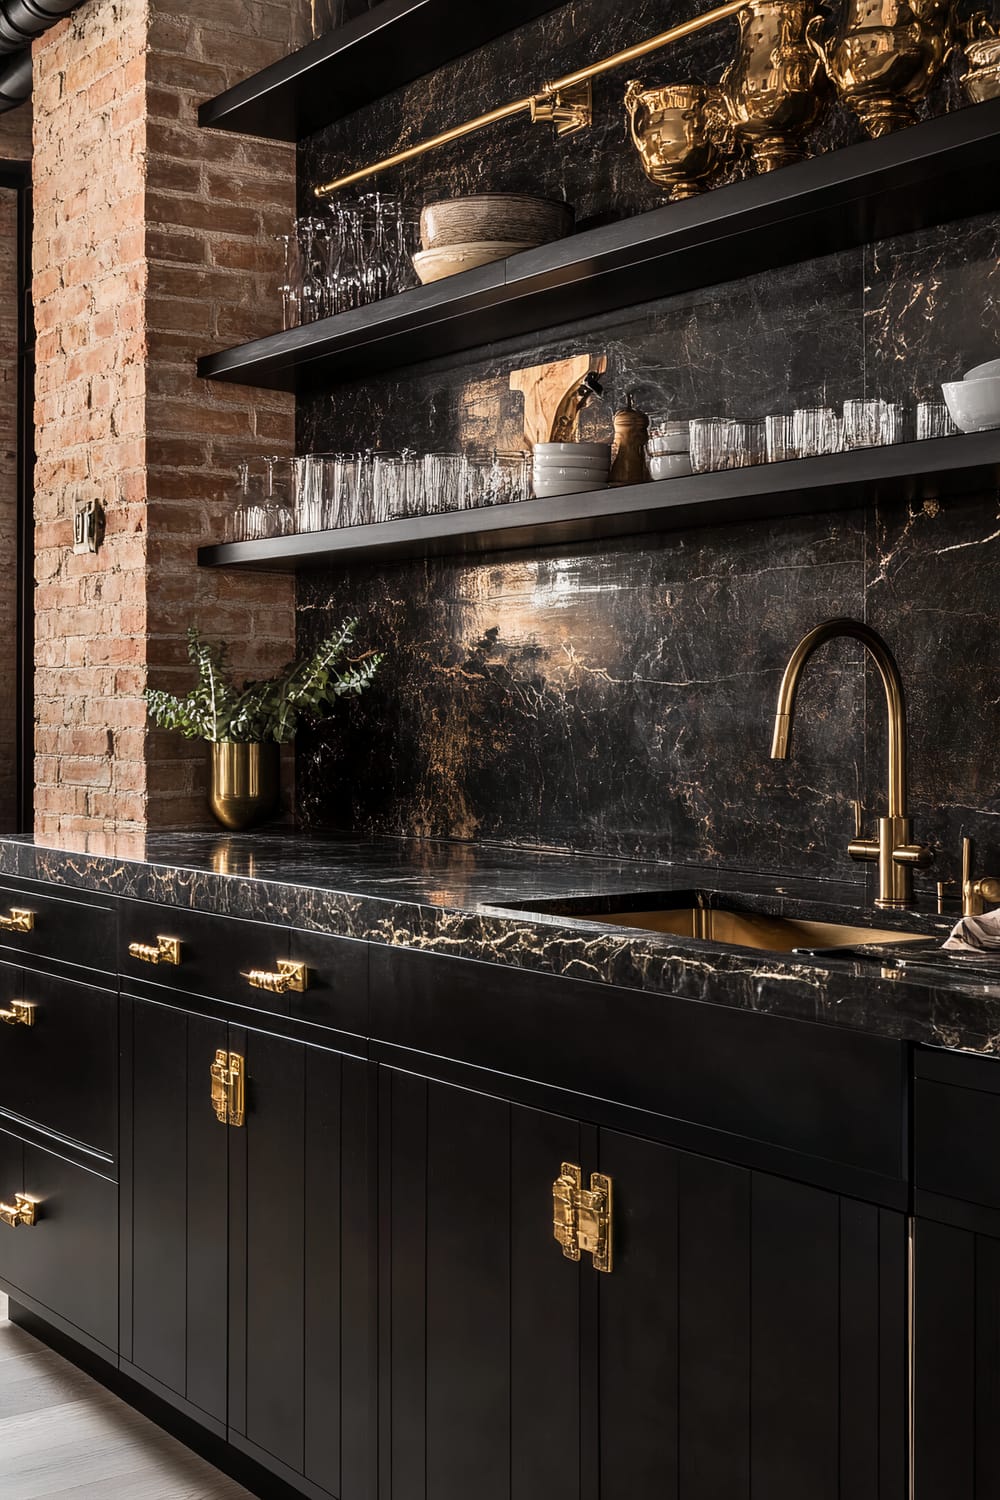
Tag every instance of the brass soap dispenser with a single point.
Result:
(628, 459)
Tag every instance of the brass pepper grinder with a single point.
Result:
(628, 459)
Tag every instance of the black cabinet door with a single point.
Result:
(956, 1351)
(302, 1254)
(175, 1162)
(480, 1314)
(752, 1336)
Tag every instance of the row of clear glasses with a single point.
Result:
(729, 443)
(354, 254)
(322, 491)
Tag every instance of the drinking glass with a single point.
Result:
(815, 430)
(933, 420)
(314, 257)
(444, 481)
(708, 438)
(291, 281)
(745, 444)
(872, 424)
(778, 437)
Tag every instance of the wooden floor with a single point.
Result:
(63, 1435)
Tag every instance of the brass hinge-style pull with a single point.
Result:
(18, 920)
(23, 1211)
(228, 1092)
(21, 1013)
(166, 950)
(289, 976)
(581, 1219)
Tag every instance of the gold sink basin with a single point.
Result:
(749, 930)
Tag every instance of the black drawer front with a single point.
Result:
(215, 952)
(956, 1149)
(830, 1095)
(70, 930)
(60, 1072)
(68, 1261)
(337, 979)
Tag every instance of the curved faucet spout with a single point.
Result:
(891, 681)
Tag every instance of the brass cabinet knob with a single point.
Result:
(23, 1212)
(289, 975)
(228, 1074)
(581, 1217)
(21, 1013)
(18, 920)
(166, 950)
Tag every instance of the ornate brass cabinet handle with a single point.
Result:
(166, 950)
(23, 1211)
(581, 1218)
(18, 920)
(228, 1088)
(21, 1013)
(288, 976)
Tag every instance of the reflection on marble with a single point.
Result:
(616, 698)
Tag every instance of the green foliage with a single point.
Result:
(215, 710)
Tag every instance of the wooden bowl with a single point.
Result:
(435, 265)
(494, 216)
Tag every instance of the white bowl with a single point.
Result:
(669, 465)
(576, 475)
(545, 465)
(544, 488)
(563, 451)
(974, 404)
(980, 372)
(670, 442)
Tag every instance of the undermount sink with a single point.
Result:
(749, 929)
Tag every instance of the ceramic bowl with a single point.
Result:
(669, 442)
(494, 216)
(567, 452)
(669, 465)
(544, 488)
(575, 475)
(974, 404)
(572, 461)
(980, 372)
(435, 265)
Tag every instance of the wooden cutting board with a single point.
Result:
(543, 388)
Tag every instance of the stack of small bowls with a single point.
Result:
(974, 403)
(570, 468)
(668, 451)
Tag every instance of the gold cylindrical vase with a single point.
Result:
(245, 781)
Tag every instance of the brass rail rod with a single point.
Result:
(548, 92)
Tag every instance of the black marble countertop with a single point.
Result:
(536, 910)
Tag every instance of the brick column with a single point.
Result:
(153, 243)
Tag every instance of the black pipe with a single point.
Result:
(20, 22)
(15, 81)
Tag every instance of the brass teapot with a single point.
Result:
(886, 57)
(776, 86)
(680, 132)
(982, 51)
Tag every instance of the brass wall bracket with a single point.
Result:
(289, 976)
(581, 1218)
(18, 920)
(228, 1074)
(166, 950)
(22, 1213)
(21, 1013)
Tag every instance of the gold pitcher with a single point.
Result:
(776, 86)
(982, 51)
(680, 133)
(244, 783)
(886, 57)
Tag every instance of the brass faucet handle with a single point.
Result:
(859, 818)
(976, 894)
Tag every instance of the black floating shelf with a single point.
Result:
(396, 42)
(910, 472)
(939, 170)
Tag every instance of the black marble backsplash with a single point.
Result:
(616, 698)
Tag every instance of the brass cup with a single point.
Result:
(776, 86)
(982, 53)
(244, 787)
(679, 132)
(886, 58)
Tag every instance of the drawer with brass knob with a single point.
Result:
(76, 931)
(58, 1050)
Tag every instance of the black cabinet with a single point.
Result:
(750, 1339)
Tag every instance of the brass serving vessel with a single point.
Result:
(244, 788)
(776, 86)
(982, 52)
(886, 57)
(680, 132)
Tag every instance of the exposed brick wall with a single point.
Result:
(152, 242)
(8, 505)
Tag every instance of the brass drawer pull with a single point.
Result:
(19, 920)
(21, 1013)
(289, 976)
(228, 1090)
(166, 951)
(23, 1211)
(581, 1219)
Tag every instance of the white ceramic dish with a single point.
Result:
(569, 451)
(577, 474)
(974, 404)
(435, 265)
(573, 460)
(669, 442)
(670, 466)
(982, 372)
(545, 488)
